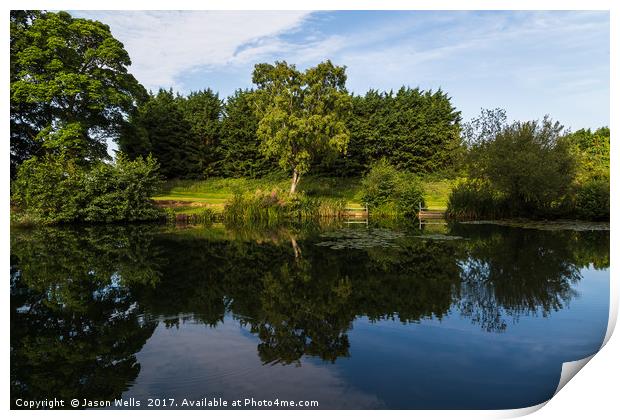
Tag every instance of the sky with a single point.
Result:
(531, 63)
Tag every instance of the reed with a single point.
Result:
(473, 200)
(268, 208)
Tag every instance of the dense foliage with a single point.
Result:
(414, 130)
(592, 151)
(55, 189)
(70, 87)
(592, 201)
(160, 128)
(240, 153)
(72, 95)
(532, 169)
(301, 114)
(385, 189)
(529, 162)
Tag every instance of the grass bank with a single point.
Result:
(193, 196)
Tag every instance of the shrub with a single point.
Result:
(54, 190)
(389, 191)
(409, 195)
(48, 190)
(379, 185)
(121, 192)
(592, 200)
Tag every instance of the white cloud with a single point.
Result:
(164, 44)
(483, 59)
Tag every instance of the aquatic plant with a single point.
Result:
(275, 206)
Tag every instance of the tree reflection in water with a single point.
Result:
(84, 301)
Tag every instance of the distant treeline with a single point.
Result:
(203, 135)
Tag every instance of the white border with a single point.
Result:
(594, 393)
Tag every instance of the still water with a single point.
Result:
(458, 317)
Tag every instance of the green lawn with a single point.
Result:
(436, 193)
(214, 192)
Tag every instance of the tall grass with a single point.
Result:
(204, 216)
(476, 200)
(473, 200)
(268, 208)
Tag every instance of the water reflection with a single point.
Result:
(85, 301)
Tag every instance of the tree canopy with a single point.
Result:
(70, 87)
(159, 127)
(530, 163)
(240, 146)
(302, 114)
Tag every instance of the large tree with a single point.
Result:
(425, 131)
(302, 114)
(203, 111)
(160, 128)
(415, 130)
(70, 88)
(240, 151)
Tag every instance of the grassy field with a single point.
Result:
(190, 196)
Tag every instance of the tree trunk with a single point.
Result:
(296, 248)
(295, 181)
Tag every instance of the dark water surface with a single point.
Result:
(467, 316)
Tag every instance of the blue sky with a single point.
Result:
(531, 63)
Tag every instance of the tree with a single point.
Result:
(302, 114)
(368, 123)
(203, 111)
(530, 163)
(485, 127)
(592, 151)
(425, 135)
(415, 130)
(240, 145)
(160, 128)
(70, 88)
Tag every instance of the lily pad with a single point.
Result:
(576, 225)
(360, 239)
(439, 237)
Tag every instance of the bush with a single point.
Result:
(409, 195)
(592, 201)
(379, 185)
(48, 190)
(530, 163)
(388, 190)
(54, 190)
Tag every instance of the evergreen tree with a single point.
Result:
(203, 111)
(425, 130)
(241, 156)
(415, 130)
(159, 127)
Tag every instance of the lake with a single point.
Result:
(466, 316)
